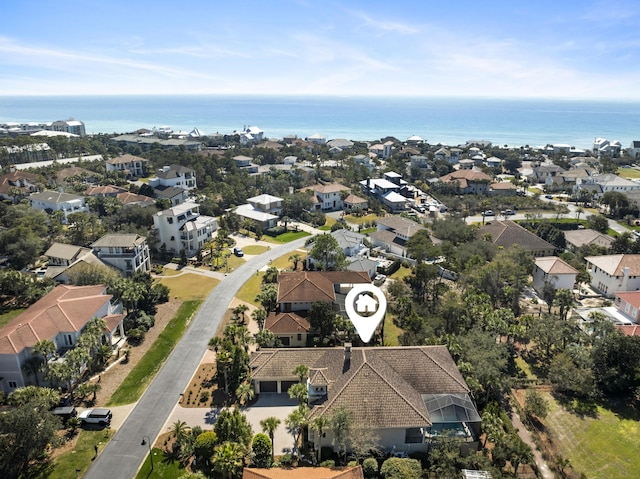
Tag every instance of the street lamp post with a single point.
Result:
(147, 442)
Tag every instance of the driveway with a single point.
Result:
(277, 405)
(124, 455)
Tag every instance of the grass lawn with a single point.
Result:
(358, 220)
(190, 286)
(601, 447)
(254, 249)
(402, 273)
(163, 466)
(9, 315)
(170, 272)
(629, 173)
(391, 331)
(250, 289)
(66, 465)
(327, 226)
(286, 237)
(139, 378)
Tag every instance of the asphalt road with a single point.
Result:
(123, 456)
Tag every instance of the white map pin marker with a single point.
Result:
(365, 310)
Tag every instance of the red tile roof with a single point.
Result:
(303, 473)
(286, 323)
(65, 309)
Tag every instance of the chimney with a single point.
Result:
(347, 356)
(625, 279)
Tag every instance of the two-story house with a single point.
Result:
(182, 227)
(262, 209)
(245, 163)
(129, 253)
(130, 164)
(59, 316)
(50, 201)
(175, 175)
(410, 396)
(628, 302)
(330, 196)
(614, 272)
(17, 184)
(393, 233)
(468, 181)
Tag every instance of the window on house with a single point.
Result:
(299, 337)
(413, 435)
(285, 340)
(13, 384)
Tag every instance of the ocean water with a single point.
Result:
(450, 121)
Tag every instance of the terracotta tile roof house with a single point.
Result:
(614, 272)
(106, 190)
(587, 237)
(290, 328)
(329, 196)
(628, 302)
(409, 395)
(508, 233)
(298, 290)
(19, 182)
(468, 181)
(304, 473)
(133, 199)
(59, 316)
(628, 329)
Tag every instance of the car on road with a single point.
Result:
(100, 416)
(238, 252)
(488, 213)
(508, 212)
(549, 197)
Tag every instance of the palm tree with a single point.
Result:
(295, 423)
(238, 312)
(245, 392)
(180, 430)
(228, 459)
(259, 316)
(302, 371)
(318, 424)
(579, 211)
(295, 257)
(45, 348)
(269, 425)
(31, 367)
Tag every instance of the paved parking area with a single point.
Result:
(278, 405)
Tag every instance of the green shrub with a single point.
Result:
(261, 447)
(401, 468)
(370, 467)
(204, 445)
(330, 463)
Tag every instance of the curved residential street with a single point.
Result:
(124, 454)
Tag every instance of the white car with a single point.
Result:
(100, 416)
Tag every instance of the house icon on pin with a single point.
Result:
(366, 304)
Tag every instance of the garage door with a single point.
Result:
(286, 385)
(268, 386)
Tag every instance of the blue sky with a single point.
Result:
(546, 49)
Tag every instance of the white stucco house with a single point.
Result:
(175, 176)
(551, 269)
(262, 209)
(50, 201)
(183, 227)
(614, 272)
(128, 253)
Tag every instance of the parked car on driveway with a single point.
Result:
(100, 416)
(65, 412)
(238, 252)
